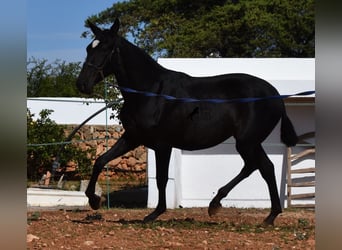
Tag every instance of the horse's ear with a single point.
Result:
(115, 27)
(96, 30)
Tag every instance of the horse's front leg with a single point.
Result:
(162, 164)
(122, 146)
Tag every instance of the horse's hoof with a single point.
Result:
(269, 221)
(214, 208)
(95, 202)
(266, 223)
(149, 218)
(154, 215)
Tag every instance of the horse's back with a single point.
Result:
(228, 86)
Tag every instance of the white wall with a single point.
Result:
(71, 110)
(195, 176)
(286, 74)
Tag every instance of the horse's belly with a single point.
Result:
(198, 135)
(196, 145)
(202, 141)
(193, 128)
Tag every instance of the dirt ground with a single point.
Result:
(120, 228)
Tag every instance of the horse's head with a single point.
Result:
(99, 57)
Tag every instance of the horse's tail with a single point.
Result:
(287, 132)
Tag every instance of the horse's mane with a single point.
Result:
(138, 54)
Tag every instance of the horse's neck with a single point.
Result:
(138, 68)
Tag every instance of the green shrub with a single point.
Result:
(48, 133)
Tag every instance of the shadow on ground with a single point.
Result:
(128, 198)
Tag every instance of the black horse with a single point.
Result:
(161, 124)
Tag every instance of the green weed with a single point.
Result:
(33, 217)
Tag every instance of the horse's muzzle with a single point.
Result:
(84, 88)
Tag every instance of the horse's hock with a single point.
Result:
(131, 165)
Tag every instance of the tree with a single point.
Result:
(245, 28)
(58, 79)
(40, 157)
(37, 72)
(52, 80)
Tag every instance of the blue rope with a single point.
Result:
(192, 100)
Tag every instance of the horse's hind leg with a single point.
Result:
(122, 146)
(215, 204)
(254, 157)
(266, 169)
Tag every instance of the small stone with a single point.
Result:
(131, 162)
(31, 237)
(88, 243)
